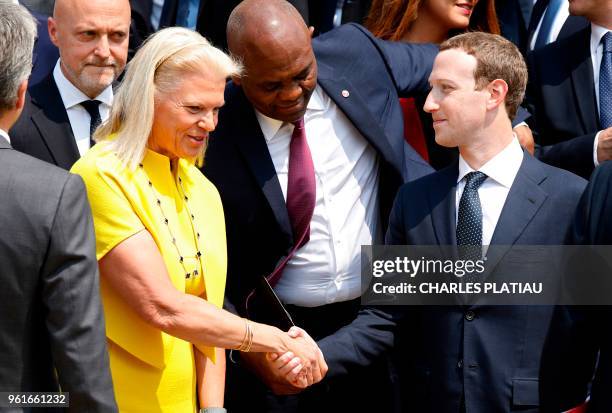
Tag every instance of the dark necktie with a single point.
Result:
(605, 82)
(301, 186)
(547, 22)
(92, 107)
(469, 220)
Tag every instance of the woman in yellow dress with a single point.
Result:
(160, 235)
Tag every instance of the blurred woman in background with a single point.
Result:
(433, 21)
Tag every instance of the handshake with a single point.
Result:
(295, 370)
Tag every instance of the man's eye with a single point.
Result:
(271, 87)
(193, 109)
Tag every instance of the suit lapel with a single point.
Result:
(252, 145)
(349, 100)
(536, 14)
(581, 69)
(442, 206)
(52, 123)
(523, 202)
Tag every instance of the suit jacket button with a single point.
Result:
(460, 364)
(469, 315)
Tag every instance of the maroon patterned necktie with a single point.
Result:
(301, 186)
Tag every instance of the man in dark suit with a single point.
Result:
(52, 333)
(63, 110)
(593, 226)
(543, 29)
(344, 86)
(472, 357)
(564, 94)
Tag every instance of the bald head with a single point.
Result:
(257, 25)
(274, 44)
(92, 38)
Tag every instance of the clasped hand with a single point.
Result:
(290, 373)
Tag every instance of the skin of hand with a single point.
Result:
(285, 374)
(604, 146)
(525, 137)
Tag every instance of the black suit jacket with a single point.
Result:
(561, 98)
(239, 164)
(52, 331)
(504, 356)
(43, 130)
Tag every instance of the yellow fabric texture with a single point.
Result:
(153, 371)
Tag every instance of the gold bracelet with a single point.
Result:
(250, 340)
(245, 339)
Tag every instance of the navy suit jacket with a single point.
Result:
(43, 130)
(504, 357)
(45, 53)
(238, 162)
(561, 98)
(593, 226)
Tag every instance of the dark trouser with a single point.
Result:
(369, 390)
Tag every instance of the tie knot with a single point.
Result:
(299, 124)
(91, 106)
(606, 40)
(473, 180)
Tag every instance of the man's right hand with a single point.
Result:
(604, 145)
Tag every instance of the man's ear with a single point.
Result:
(52, 29)
(21, 92)
(498, 89)
(236, 80)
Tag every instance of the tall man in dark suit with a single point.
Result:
(564, 94)
(343, 86)
(471, 357)
(64, 109)
(52, 325)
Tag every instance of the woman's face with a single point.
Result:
(452, 14)
(186, 114)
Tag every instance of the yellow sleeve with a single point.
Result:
(112, 193)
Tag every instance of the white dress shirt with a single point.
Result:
(77, 115)
(560, 19)
(5, 135)
(346, 214)
(596, 47)
(501, 171)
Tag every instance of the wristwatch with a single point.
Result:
(213, 410)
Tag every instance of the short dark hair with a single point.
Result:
(496, 58)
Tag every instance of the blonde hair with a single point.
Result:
(159, 65)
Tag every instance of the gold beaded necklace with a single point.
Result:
(166, 222)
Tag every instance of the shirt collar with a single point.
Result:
(597, 32)
(502, 168)
(72, 96)
(5, 135)
(270, 127)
